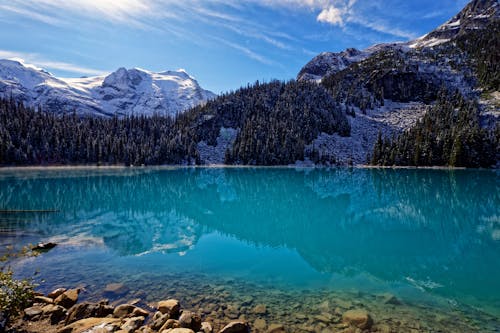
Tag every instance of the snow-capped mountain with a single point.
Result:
(476, 15)
(123, 92)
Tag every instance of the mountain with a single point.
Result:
(390, 89)
(123, 92)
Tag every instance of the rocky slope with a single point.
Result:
(123, 92)
(388, 88)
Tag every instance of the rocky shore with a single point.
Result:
(61, 311)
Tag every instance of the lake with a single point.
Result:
(419, 249)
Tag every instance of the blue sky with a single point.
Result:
(224, 44)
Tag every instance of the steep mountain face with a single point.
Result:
(388, 88)
(124, 92)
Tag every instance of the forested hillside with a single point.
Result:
(273, 122)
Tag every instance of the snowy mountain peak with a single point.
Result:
(123, 92)
(475, 15)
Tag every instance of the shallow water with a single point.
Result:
(281, 236)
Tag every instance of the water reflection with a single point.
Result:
(425, 226)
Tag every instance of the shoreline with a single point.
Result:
(225, 166)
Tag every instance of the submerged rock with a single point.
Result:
(236, 327)
(276, 328)
(359, 318)
(115, 289)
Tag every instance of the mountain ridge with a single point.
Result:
(122, 92)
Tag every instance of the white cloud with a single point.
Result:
(331, 15)
(249, 53)
(34, 60)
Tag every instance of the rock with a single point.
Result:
(190, 320)
(68, 298)
(206, 327)
(56, 293)
(131, 324)
(260, 324)
(170, 323)
(170, 306)
(123, 310)
(393, 300)
(145, 329)
(236, 327)
(159, 319)
(276, 328)
(55, 313)
(260, 309)
(32, 311)
(178, 330)
(44, 246)
(115, 289)
(87, 324)
(358, 318)
(43, 299)
(138, 312)
(88, 310)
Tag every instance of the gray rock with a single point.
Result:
(33, 311)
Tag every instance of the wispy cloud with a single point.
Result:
(245, 50)
(37, 61)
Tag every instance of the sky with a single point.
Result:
(224, 44)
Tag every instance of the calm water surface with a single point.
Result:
(427, 236)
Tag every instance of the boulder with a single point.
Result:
(68, 298)
(159, 319)
(43, 299)
(56, 293)
(123, 310)
(170, 306)
(190, 320)
(359, 318)
(132, 324)
(178, 330)
(88, 310)
(33, 311)
(55, 313)
(236, 327)
(170, 323)
(88, 324)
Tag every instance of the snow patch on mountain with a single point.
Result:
(124, 92)
(389, 120)
(217, 154)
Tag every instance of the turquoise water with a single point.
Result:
(427, 236)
